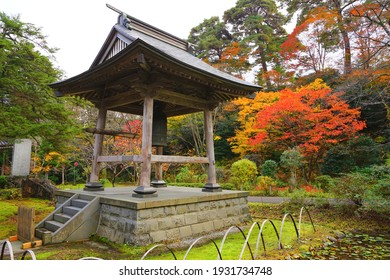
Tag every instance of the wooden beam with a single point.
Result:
(183, 100)
(178, 159)
(111, 132)
(154, 158)
(122, 99)
(123, 158)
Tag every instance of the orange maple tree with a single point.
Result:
(247, 110)
(312, 118)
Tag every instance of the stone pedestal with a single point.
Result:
(177, 214)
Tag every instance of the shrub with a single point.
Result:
(352, 186)
(10, 194)
(243, 173)
(357, 153)
(324, 182)
(266, 183)
(269, 168)
(4, 183)
(185, 175)
(377, 200)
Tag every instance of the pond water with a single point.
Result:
(352, 246)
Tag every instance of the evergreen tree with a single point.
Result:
(259, 25)
(28, 107)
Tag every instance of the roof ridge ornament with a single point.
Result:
(133, 23)
(123, 19)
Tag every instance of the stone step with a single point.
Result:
(62, 218)
(80, 203)
(53, 225)
(40, 232)
(44, 234)
(85, 197)
(71, 210)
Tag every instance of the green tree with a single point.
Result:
(292, 161)
(28, 107)
(259, 25)
(210, 38)
(269, 168)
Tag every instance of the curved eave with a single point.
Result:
(243, 87)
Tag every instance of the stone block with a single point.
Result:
(119, 237)
(152, 225)
(178, 220)
(170, 210)
(158, 212)
(105, 231)
(221, 213)
(158, 236)
(144, 214)
(165, 223)
(204, 206)
(181, 209)
(191, 218)
(221, 203)
(204, 216)
(130, 226)
(141, 228)
(185, 232)
(218, 224)
(114, 210)
(230, 211)
(197, 229)
(173, 234)
(209, 226)
(128, 213)
(192, 208)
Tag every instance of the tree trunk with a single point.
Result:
(263, 62)
(345, 37)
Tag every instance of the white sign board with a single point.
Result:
(21, 157)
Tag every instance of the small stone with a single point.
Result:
(332, 239)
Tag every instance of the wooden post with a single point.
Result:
(26, 224)
(94, 184)
(144, 190)
(211, 185)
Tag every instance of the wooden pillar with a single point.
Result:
(158, 181)
(211, 185)
(144, 190)
(94, 184)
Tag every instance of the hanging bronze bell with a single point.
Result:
(159, 128)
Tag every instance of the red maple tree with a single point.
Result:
(312, 118)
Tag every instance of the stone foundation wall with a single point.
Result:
(171, 223)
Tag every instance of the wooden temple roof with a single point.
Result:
(138, 58)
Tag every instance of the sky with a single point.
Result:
(79, 27)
